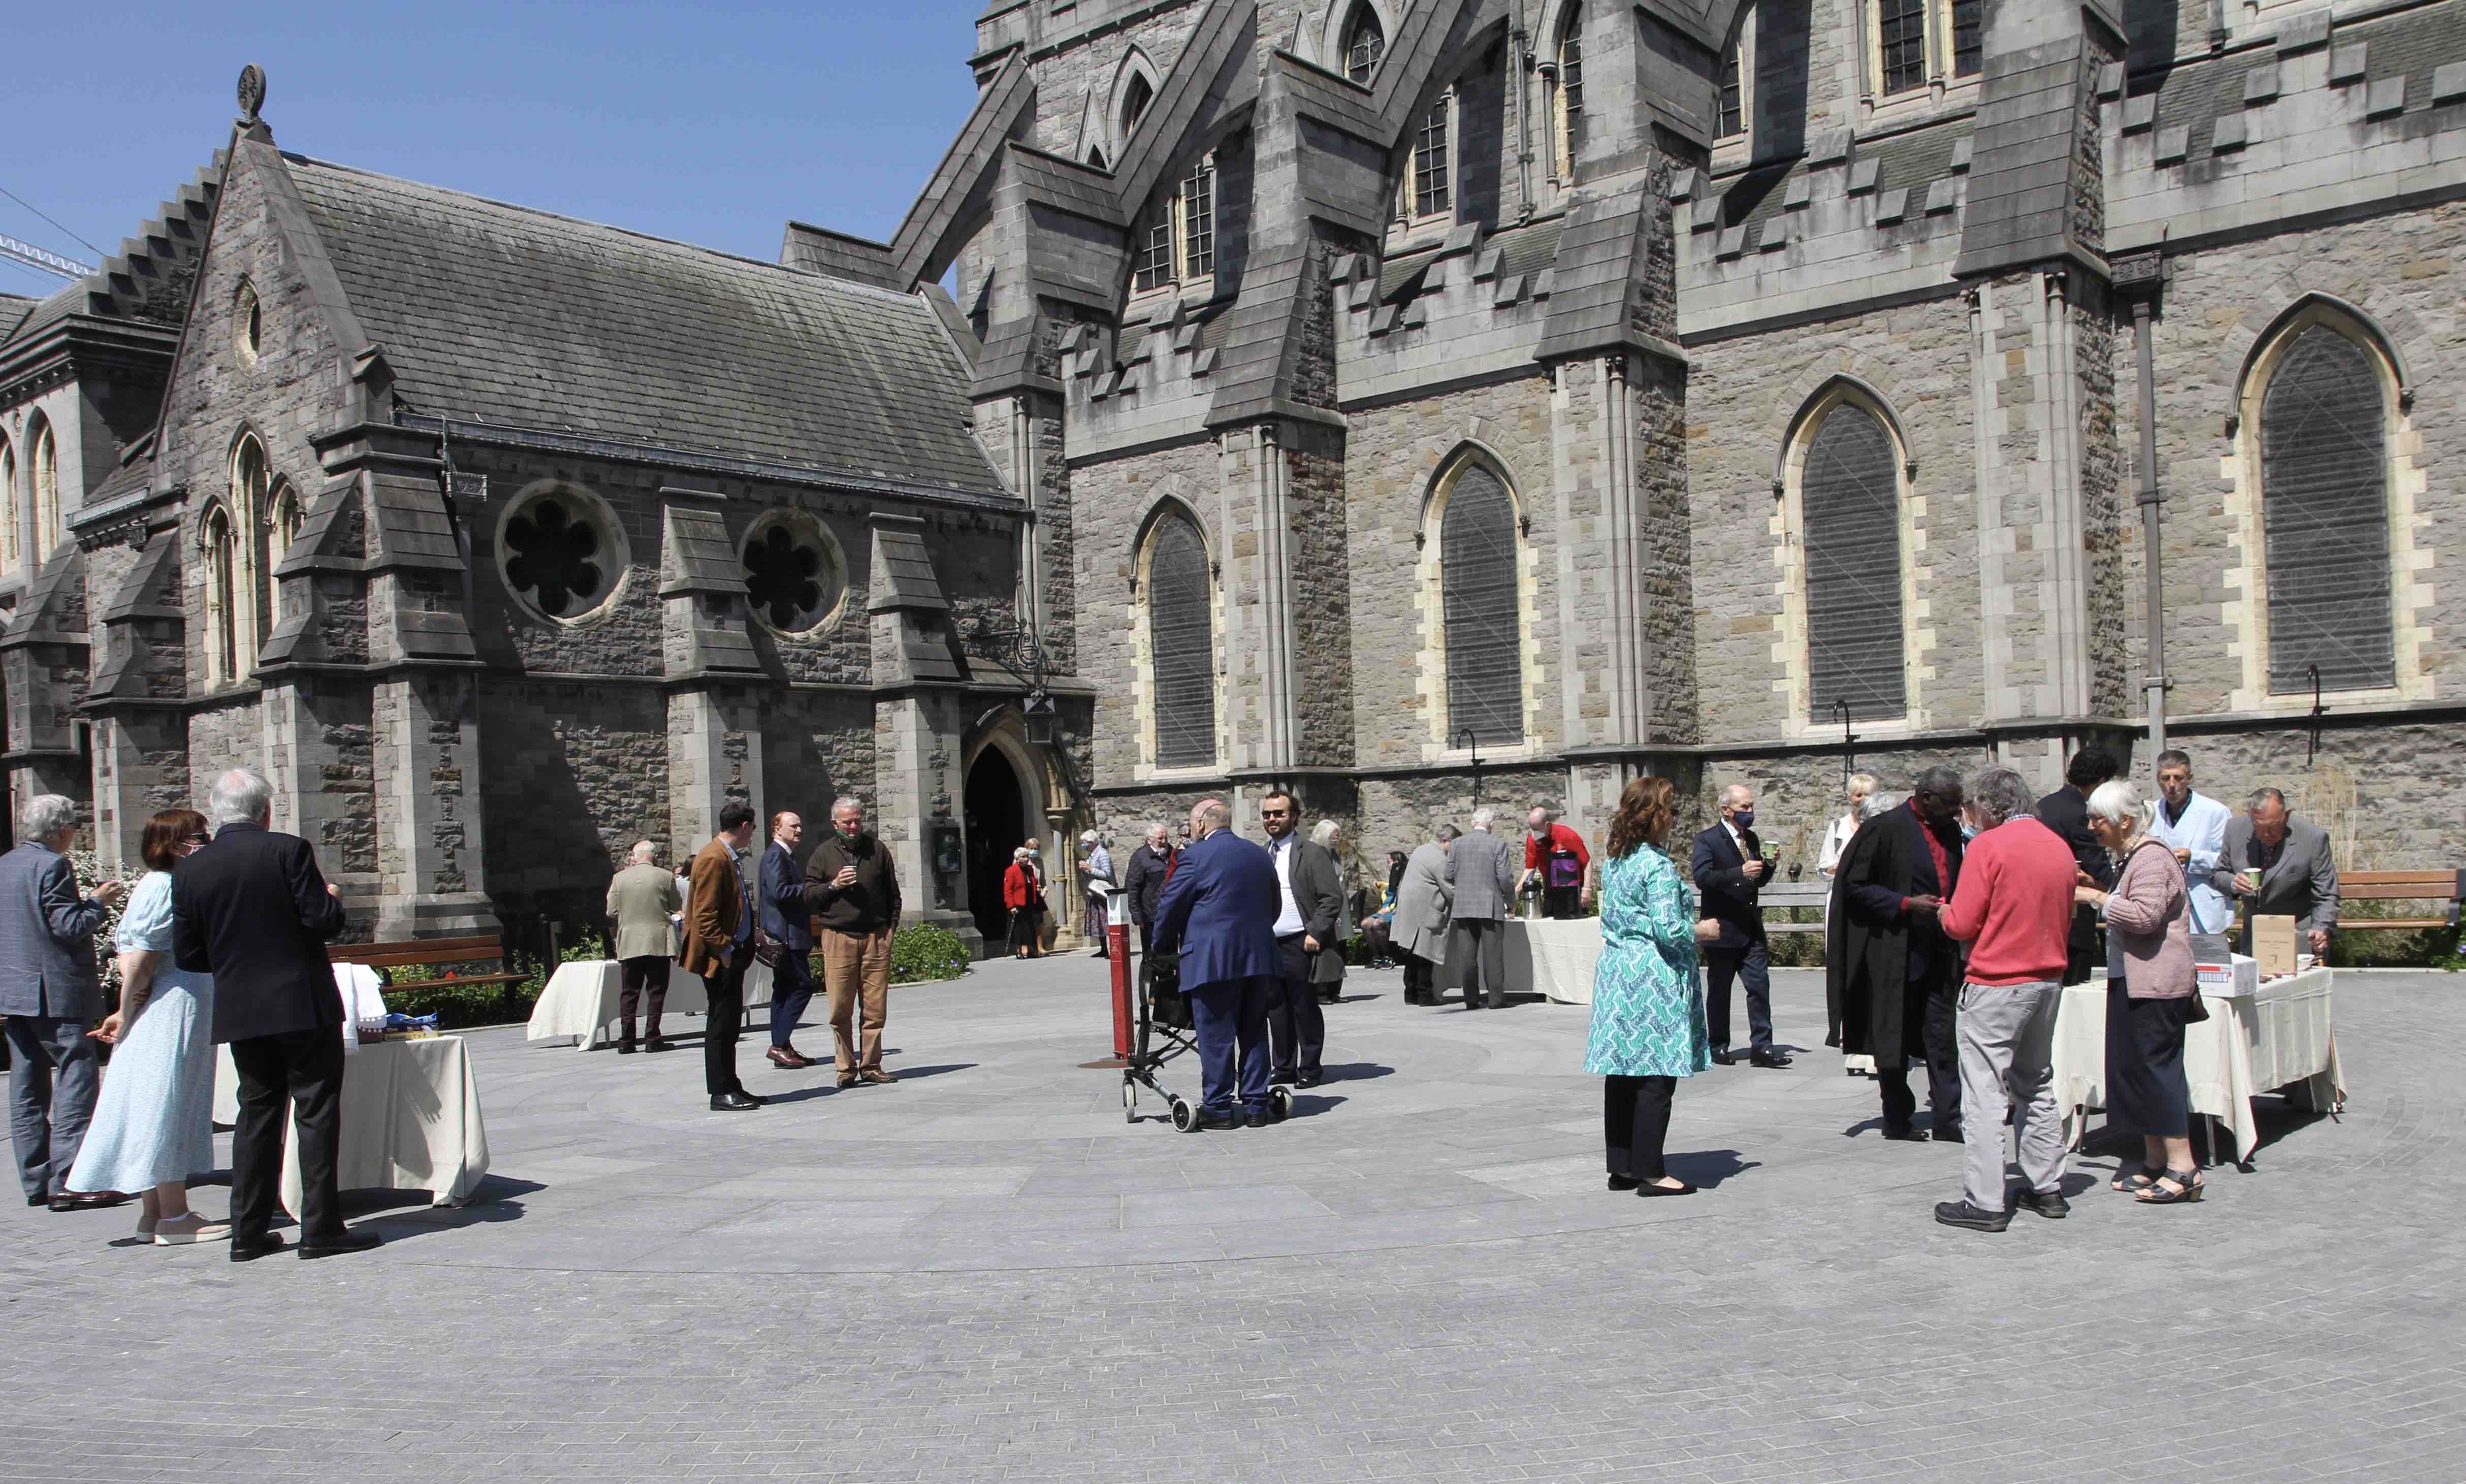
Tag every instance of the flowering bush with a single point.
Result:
(90, 874)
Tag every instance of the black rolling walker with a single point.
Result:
(1162, 1029)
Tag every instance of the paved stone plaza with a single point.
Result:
(983, 1274)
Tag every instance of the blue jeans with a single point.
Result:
(1227, 1014)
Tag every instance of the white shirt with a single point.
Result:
(1288, 921)
(2201, 829)
(1836, 838)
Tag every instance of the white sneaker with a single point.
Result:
(181, 1230)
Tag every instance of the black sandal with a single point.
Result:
(2188, 1189)
(2133, 1183)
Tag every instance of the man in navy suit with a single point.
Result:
(784, 917)
(1220, 910)
(1729, 868)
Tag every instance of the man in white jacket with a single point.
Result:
(2195, 826)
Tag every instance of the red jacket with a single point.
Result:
(1019, 885)
(2015, 904)
(1561, 837)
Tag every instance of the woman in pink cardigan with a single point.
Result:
(2151, 989)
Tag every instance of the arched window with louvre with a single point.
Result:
(1479, 608)
(1849, 512)
(2324, 515)
(251, 478)
(45, 469)
(220, 556)
(1567, 103)
(1182, 643)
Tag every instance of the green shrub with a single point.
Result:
(920, 951)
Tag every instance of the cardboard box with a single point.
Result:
(2238, 975)
(2272, 945)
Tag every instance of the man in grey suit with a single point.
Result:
(2297, 877)
(642, 901)
(1483, 880)
(49, 996)
(1419, 929)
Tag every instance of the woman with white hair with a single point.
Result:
(1326, 969)
(1023, 893)
(1095, 887)
(2152, 993)
(1836, 838)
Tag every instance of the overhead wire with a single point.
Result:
(38, 211)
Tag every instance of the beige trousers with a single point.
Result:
(856, 966)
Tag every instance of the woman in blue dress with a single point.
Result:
(153, 1125)
(1648, 1013)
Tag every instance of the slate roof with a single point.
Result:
(48, 311)
(503, 314)
(13, 310)
(2410, 44)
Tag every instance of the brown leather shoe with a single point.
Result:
(875, 1074)
(847, 1079)
(89, 1201)
(788, 1058)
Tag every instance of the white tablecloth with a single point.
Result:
(1552, 959)
(411, 1120)
(2277, 1037)
(580, 999)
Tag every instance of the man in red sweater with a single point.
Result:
(1554, 855)
(2013, 907)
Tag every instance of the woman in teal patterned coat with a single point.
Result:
(1647, 1014)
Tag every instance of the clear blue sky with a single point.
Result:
(711, 123)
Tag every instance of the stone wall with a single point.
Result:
(1745, 397)
(571, 777)
(2222, 300)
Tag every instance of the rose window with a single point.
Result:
(556, 558)
(791, 580)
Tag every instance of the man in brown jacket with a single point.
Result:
(719, 944)
(853, 892)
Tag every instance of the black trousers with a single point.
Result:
(299, 1074)
(1477, 955)
(1420, 978)
(638, 979)
(1635, 1123)
(792, 989)
(1752, 965)
(2081, 945)
(726, 992)
(1941, 1057)
(1296, 1026)
(1023, 935)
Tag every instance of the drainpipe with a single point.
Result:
(2142, 276)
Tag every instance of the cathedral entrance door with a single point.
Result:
(998, 821)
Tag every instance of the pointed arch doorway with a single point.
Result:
(998, 820)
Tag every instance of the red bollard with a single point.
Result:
(1117, 945)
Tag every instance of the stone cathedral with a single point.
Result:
(1422, 404)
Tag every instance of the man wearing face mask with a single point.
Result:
(1729, 868)
(1895, 973)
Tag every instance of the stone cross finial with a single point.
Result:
(251, 92)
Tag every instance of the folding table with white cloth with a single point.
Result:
(2278, 1036)
(580, 999)
(410, 1120)
(1552, 957)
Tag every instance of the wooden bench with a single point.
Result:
(428, 951)
(2447, 885)
(1811, 894)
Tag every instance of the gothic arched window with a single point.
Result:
(1182, 643)
(2324, 515)
(1849, 495)
(46, 469)
(282, 516)
(221, 556)
(1135, 105)
(251, 478)
(1483, 627)
(1570, 97)
(9, 539)
(1365, 41)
